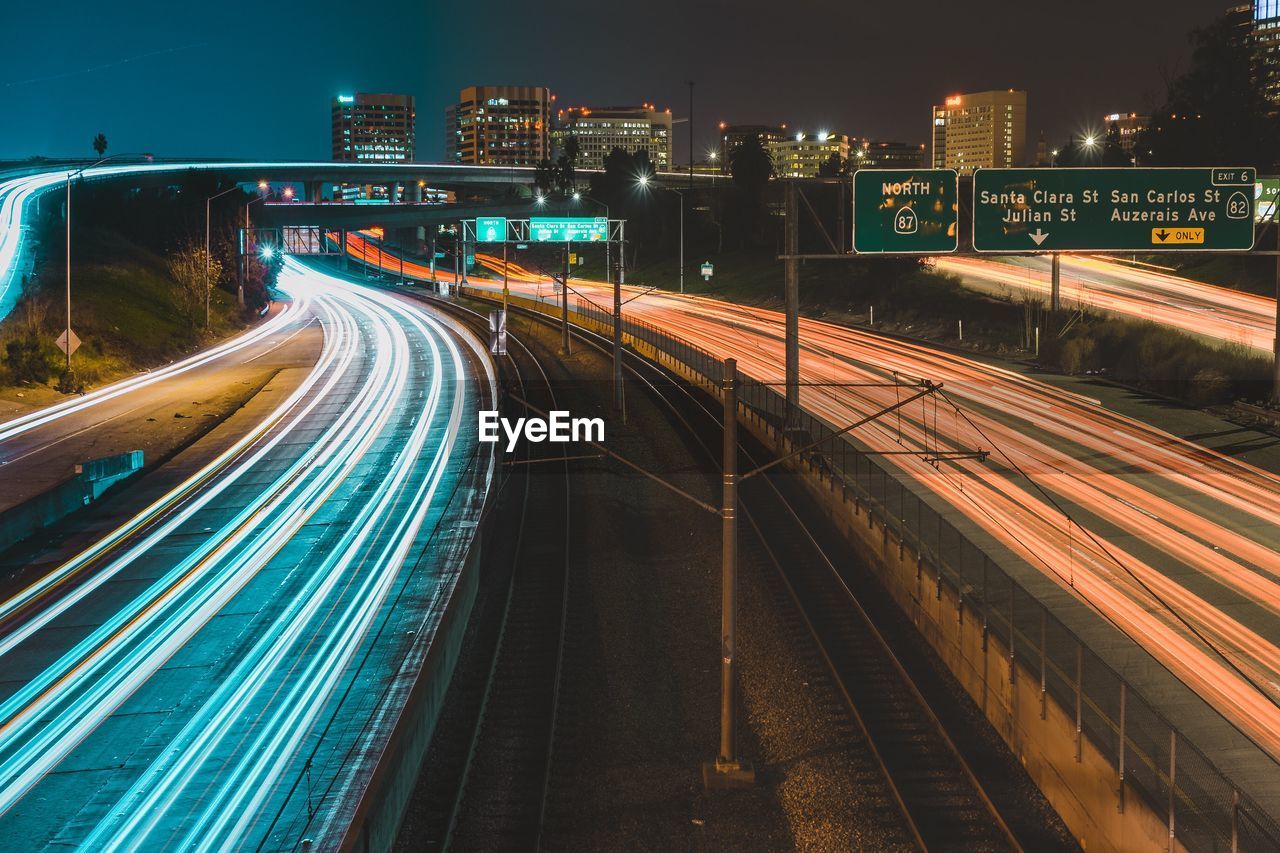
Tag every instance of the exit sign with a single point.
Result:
(1129, 210)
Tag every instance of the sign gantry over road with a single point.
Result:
(905, 210)
(1123, 209)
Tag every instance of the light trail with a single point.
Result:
(1219, 313)
(1197, 527)
(306, 523)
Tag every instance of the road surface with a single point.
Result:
(221, 668)
(1142, 293)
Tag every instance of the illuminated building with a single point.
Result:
(600, 130)
(1129, 125)
(870, 154)
(980, 130)
(499, 126)
(373, 128)
(802, 155)
(1265, 36)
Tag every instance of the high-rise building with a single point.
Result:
(1129, 126)
(872, 154)
(499, 126)
(980, 130)
(733, 135)
(599, 130)
(373, 128)
(1265, 37)
(802, 155)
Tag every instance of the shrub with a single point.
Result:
(28, 360)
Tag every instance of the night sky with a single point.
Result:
(244, 79)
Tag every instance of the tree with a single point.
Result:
(544, 176)
(187, 268)
(1217, 113)
(751, 168)
(100, 144)
(833, 167)
(566, 178)
(1113, 153)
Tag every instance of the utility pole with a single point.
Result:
(727, 771)
(617, 339)
(1055, 286)
(68, 347)
(791, 298)
(682, 239)
(690, 138)
(564, 304)
(505, 290)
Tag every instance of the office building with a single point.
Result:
(873, 154)
(499, 126)
(1264, 34)
(1129, 125)
(599, 130)
(733, 135)
(373, 128)
(802, 155)
(980, 130)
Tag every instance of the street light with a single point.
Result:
(263, 188)
(70, 176)
(207, 202)
(579, 196)
(643, 182)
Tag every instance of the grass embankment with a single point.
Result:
(125, 308)
(912, 300)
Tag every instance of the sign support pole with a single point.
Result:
(1055, 290)
(791, 297)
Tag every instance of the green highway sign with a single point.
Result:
(491, 229)
(905, 210)
(1265, 193)
(1129, 210)
(580, 229)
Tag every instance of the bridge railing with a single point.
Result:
(1151, 759)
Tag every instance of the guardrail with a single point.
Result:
(1151, 758)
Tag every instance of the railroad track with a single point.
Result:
(943, 804)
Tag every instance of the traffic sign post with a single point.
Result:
(910, 211)
(708, 270)
(68, 342)
(1100, 210)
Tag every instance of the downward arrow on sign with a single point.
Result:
(1163, 235)
(1039, 236)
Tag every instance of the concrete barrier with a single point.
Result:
(91, 480)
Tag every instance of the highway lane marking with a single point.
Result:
(303, 328)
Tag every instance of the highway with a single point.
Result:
(1150, 514)
(221, 665)
(1144, 293)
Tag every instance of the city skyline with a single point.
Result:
(264, 88)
